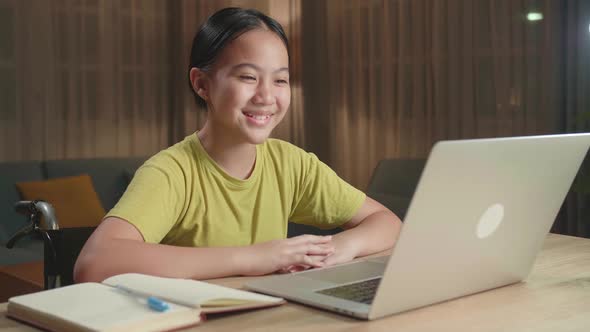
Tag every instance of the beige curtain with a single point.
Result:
(575, 105)
(82, 79)
(85, 78)
(386, 79)
(382, 78)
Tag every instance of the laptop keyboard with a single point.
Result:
(363, 291)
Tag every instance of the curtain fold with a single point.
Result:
(397, 76)
(370, 79)
(86, 78)
(83, 79)
(575, 102)
(401, 75)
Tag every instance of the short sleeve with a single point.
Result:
(153, 202)
(323, 199)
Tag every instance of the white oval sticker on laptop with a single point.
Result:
(490, 220)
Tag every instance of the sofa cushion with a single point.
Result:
(10, 174)
(108, 174)
(73, 198)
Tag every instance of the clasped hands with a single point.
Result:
(297, 254)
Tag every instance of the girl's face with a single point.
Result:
(248, 87)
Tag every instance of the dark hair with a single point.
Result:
(221, 28)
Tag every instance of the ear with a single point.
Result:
(200, 82)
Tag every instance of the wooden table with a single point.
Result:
(555, 297)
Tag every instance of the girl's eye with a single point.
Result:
(248, 78)
(282, 81)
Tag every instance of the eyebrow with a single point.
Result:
(255, 67)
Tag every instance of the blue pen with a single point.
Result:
(153, 302)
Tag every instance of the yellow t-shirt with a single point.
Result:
(180, 196)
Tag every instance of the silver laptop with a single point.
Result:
(478, 217)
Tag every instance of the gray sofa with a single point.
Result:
(393, 183)
(110, 177)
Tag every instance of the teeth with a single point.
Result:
(258, 117)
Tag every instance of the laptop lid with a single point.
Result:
(477, 219)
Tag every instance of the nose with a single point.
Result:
(264, 94)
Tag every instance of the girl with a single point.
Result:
(217, 203)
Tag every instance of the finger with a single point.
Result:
(294, 268)
(285, 270)
(336, 259)
(302, 259)
(310, 249)
(314, 239)
(314, 261)
(297, 268)
(330, 260)
(325, 249)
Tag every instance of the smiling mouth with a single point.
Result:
(257, 116)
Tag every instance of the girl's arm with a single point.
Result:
(118, 247)
(372, 229)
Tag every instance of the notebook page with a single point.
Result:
(93, 306)
(188, 291)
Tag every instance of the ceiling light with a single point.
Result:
(534, 16)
